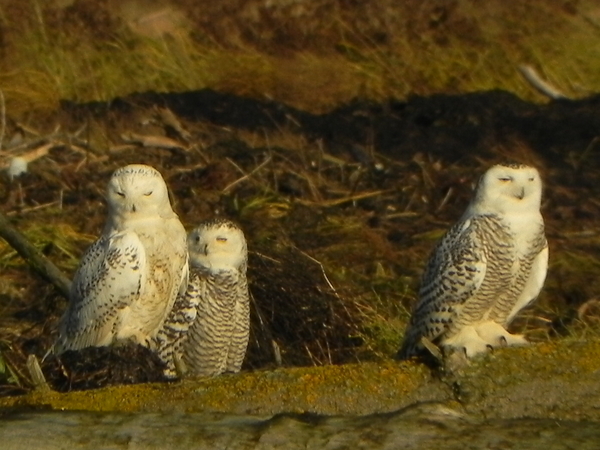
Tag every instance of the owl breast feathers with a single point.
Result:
(128, 280)
(207, 330)
(489, 266)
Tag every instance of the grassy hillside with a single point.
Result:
(311, 54)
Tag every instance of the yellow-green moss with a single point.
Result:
(354, 388)
(345, 389)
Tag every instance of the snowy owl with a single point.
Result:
(127, 281)
(207, 331)
(487, 267)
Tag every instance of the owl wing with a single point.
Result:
(453, 275)
(209, 338)
(174, 331)
(111, 275)
(535, 281)
(241, 328)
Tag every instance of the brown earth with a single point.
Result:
(387, 172)
(340, 208)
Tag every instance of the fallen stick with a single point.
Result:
(152, 141)
(542, 86)
(35, 372)
(36, 259)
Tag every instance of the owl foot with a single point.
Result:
(135, 337)
(513, 340)
(469, 341)
(497, 336)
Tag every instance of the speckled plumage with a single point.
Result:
(488, 266)
(208, 328)
(128, 280)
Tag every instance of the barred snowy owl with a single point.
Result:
(127, 281)
(488, 266)
(207, 331)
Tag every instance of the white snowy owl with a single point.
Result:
(127, 281)
(489, 266)
(207, 331)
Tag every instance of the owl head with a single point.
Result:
(218, 244)
(508, 188)
(138, 191)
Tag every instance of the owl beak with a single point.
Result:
(206, 249)
(133, 208)
(521, 194)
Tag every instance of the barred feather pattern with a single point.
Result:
(455, 290)
(209, 327)
(217, 340)
(173, 334)
(207, 331)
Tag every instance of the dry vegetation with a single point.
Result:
(340, 209)
(311, 54)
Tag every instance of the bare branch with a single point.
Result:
(36, 259)
(539, 84)
(246, 176)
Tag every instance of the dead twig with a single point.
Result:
(36, 259)
(339, 201)
(169, 119)
(445, 199)
(276, 353)
(542, 86)
(2, 118)
(320, 264)
(589, 311)
(246, 176)
(24, 159)
(152, 141)
(35, 208)
(37, 376)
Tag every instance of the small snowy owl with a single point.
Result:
(487, 267)
(127, 281)
(207, 331)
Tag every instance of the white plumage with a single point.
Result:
(127, 281)
(207, 330)
(489, 266)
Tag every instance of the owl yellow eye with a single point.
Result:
(148, 194)
(505, 179)
(221, 239)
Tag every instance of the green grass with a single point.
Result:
(59, 239)
(473, 48)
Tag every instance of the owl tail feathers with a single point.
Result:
(83, 338)
(61, 345)
(51, 350)
(410, 344)
(415, 345)
(175, 366)
(409, 347)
